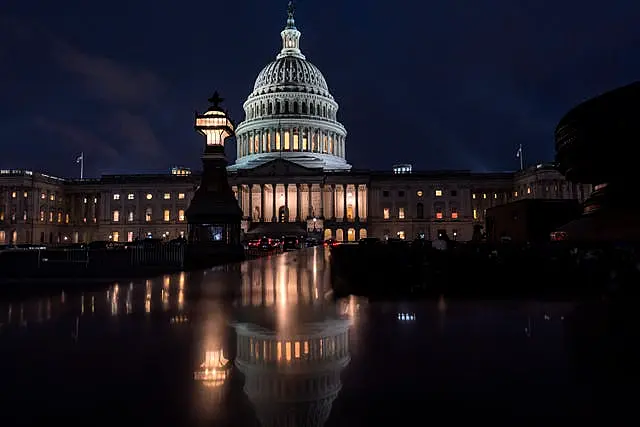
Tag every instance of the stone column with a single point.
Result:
(322, 201)
(344, 202)
(250, 202)
(274, 217)
(298, 204)
(240, 199)
(262, 202)
(333, 202)
(310, 212)
(357, 213)
(286, 197)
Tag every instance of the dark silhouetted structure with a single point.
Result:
(593, 145)
(214, 216)
(529, 220)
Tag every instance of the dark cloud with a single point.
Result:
(108, 79)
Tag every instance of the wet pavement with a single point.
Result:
(263, 343)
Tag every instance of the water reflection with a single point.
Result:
(165, 294)
(292, 341)
(262, 341)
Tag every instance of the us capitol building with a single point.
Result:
(291, 175)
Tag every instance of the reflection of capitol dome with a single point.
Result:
(291, 114)
(293, 380)
(292, 344)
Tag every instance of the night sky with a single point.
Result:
(446, 84)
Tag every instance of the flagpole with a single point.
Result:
(82, 165)
(521, 158)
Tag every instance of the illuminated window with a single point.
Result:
(130, 216)
(24, 215)
(14, 195)
(438, 193)
(439, 215)
(400, 235)
(59, 216)
(131, 196)
(385, 213)
(52, 197)
(43, 196)
(495, 195)
(167, 196)
(50, 216)
(475, 214)
(84, 200)
(116, 197)
(454, 213)
(26, 194)
(528, 190)
(147, 215)
(116, 216)
(484, 196)
(66, 218)
(473, 196)
(149, 196)
(181, 215)
(515, 194)
(42, 216)
(116, 236)
(180, 196)
(401, 213)
(419, 193)
(130, 236)
(166, 215)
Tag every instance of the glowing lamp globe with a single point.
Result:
(215, 124)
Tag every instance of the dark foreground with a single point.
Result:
(131, 354)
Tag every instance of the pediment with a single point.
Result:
(282, 167)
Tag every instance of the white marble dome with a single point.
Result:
(291, 114)
(290, 73)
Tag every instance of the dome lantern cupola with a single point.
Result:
(290, 36)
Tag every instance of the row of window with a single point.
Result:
(130, 196)
(148, 215)
(115, 235)
(420, 193)
(386, 212)
(149, 196)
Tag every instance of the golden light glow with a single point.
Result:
(438, 193)
(439, 215)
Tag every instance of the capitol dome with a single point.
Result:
(291, 114)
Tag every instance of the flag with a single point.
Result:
(80, 158)
(519, 152)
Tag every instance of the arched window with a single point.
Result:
(304, 108)
(295, 107)
(420, 211)
(286, 107)
(277, 107)
(270, 108)
(312, 108)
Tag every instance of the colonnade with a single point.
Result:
(302, 202)
(307, 139)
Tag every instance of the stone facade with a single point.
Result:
(37, 208)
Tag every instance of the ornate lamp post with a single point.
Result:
(214, 217)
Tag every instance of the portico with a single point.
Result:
(281, 191)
